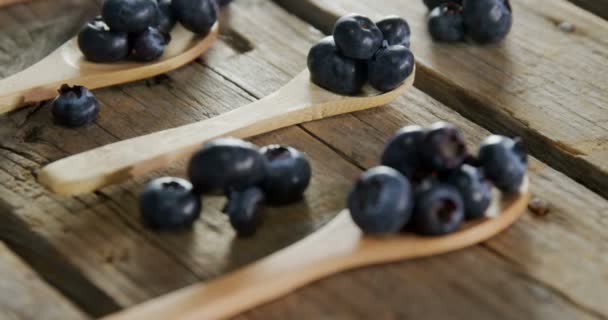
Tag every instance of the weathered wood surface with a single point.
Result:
(542, 83)
(23, 295)
(544, 267)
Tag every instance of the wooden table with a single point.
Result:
(87, 256)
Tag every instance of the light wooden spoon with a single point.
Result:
(334, 248)
(67, 65)
(298, 101)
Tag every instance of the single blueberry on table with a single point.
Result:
(446, 23)
(357, 36)
(288, 175)
(432, 4)
(474, 188)
(169, 203)
(166, 19)
(504, 162)
(487, 21)
(333, 71)
(198, 16)
(75, 106)
(148, 45)
(438, 209)
(402, 151)
(98, 44)
(389, 67)
(129, 15)
(444, 147)
(395, 30)
(244, 210)
(225, 164)
(381, 201)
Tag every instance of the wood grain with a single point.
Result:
(524, 273)
(544, 84)
(598, 7)
(23, 295)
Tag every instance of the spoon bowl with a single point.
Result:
(297, 102)
(336, 247)
(67, 65)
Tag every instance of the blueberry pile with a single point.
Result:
(482, 21)
(247, 175)
(429, 182)
(140, 29)
(74, 106)
(360, 51)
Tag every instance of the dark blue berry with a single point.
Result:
(474, 188)
(381, 201)
(75, 106)
(504, 162)
(444, 147)
(402, 151)
(129, 15)
(446, 23)
(98, 44)
(197, 16)
(395, 30)
(487, 21)
(225, 164)
(438, 209)
(244, 209)
(389, 67)
(169, 203)
(166, 20)
(333, 71)
(357, 36)
(288, 174)
(148, 45)
(432, 4)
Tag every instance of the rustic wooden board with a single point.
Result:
(599, 7)
(546, 85)
(520, 274)
(23, 295)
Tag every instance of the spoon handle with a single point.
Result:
(116, 162)
(323, 253)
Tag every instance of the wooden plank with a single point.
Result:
(598, 7)
(23, 295)
(544, 84)
(130, 263)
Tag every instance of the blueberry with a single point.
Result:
(288, 174)
(446, 23)
(357, 36)
(99, 44)
(169, 203)
(402, 151)
(333, 71)
(395, 30)
(381, 201)
(475, 190)
(487, 21)
(166, 20)
(225, 164)
(444, 147)
(148, 45)
(197, 16)
(438, 210)
(504, 162)
(243, 208)
(390, 66)
(75, 106)
(432, 4)
(129, 15)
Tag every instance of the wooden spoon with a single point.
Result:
(298, 101)
(336, 247)
(67, 65)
